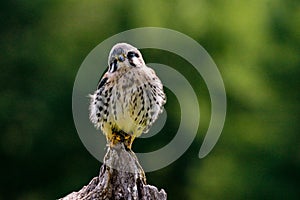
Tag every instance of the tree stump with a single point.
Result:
(121, 178)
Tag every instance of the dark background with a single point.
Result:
(255, 44)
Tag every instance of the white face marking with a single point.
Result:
(135, 61)
(113, 67)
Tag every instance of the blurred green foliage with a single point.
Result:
(256, 45)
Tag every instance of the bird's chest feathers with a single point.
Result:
(129, 87)
(132, 97)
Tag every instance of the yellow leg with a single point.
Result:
(121, 137)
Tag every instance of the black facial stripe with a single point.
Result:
(130, 55)
(113, 66)
(102, 82)
(131, 63)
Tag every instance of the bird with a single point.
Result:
(129, 97)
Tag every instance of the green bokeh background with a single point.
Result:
(255, 44)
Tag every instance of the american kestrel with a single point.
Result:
(129, 97)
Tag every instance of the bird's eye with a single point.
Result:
(132, 54)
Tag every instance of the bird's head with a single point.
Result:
(124, 55)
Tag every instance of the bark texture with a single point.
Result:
(121, 178)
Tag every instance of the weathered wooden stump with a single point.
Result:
(121, 177)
